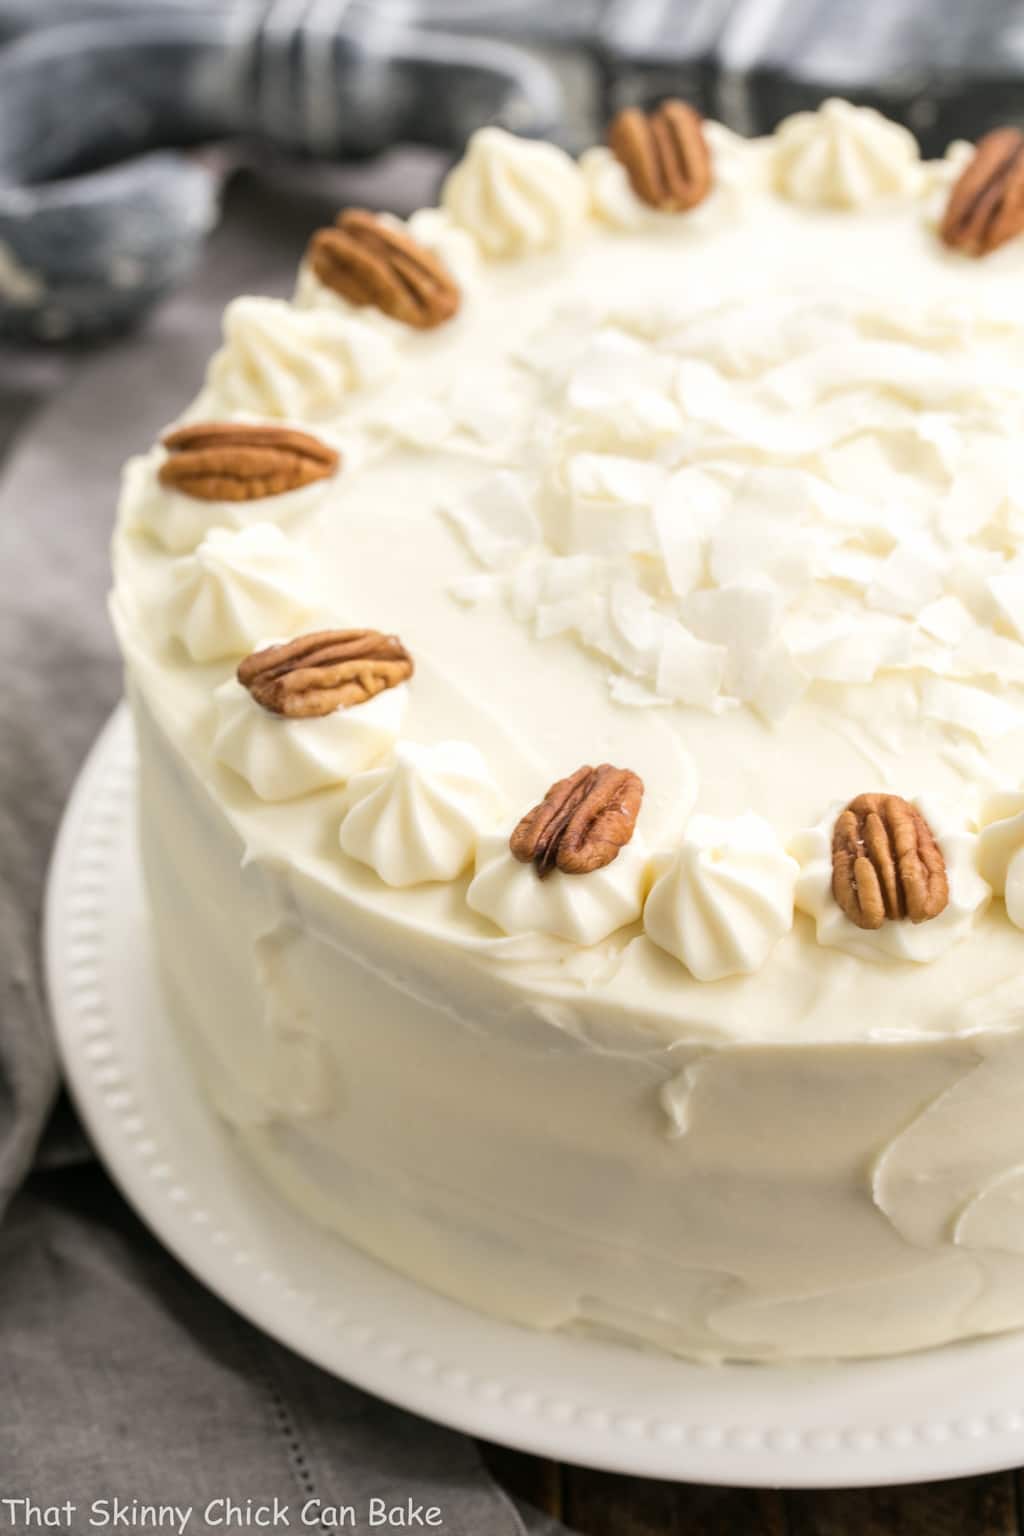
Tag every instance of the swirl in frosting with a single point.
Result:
(281, 361)
(237, 586)
(419, 818)
(281, 759)
(725, 898)
(515, 195)
(845, 157)
(969, 893)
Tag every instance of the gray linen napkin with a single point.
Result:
(120, 1377)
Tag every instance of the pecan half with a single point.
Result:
(319, 673)
(665, 154)
(369, 262)
(230, 461)
(986, 207)
(581, 823)
(886, 863)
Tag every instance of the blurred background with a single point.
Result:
(121, 121)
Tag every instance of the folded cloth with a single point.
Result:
(122, 1377)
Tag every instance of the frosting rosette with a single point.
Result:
(238, 585)
(515, 195)
(969, 893)
(419, 818)
(1001, 850)
(721, 903)
(282, 361)
(281, 758)
(582, 909)
(842, 156)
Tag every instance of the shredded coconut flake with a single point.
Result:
(907, 581)
(968, 709)
(1007, 589)
(689, 670)
(946, 619)
(730, 503)
(498, 520)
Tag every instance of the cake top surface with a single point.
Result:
(725, 495)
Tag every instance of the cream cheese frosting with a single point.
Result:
(1000, 850)
(739, 164)
(281, 361)
(513, 195)
(725, 899)
(420, 817)
(432, 228)
(667, 493)
(238, 586)
(179, 522)
(842, 156)
(582, 909)
(969, 893)
(280, 759)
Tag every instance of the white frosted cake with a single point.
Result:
(577, 655)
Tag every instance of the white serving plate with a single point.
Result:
(938, 1413)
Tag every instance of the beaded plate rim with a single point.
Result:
(939, 1413)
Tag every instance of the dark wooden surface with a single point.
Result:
(602, 1504)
